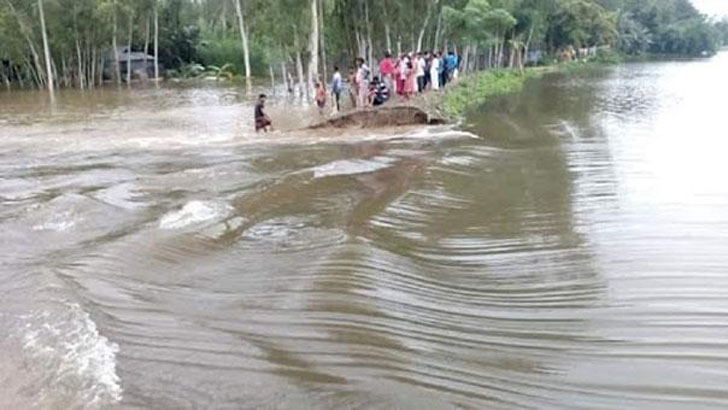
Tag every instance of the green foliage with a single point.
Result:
(580, 23)
(665, 27)
(206, 32)
(476, 89)
(721, 28)
(634, 37)
(222, 51)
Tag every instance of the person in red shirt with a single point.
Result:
(386, 70)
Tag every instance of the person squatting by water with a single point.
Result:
(262, 121)
(378, 92)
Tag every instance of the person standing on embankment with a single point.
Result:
(362, 80)
(386, 71)
(336, 87)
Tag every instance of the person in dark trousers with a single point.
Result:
(336, 87)
(262, 120)
(378, 92)
(451, 64)
(428, 61)
(442, 71)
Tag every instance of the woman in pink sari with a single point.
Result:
(400, 75)
(410, 77)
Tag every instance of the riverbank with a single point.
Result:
(449, 105)
(478, 88)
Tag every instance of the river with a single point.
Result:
(566, 247)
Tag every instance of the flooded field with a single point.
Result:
(566, 247)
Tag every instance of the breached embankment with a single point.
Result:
(387, 116)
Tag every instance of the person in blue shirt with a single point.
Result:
(451, 63)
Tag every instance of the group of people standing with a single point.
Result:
(405, 76)
(414, 73)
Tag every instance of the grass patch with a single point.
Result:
(476, 89)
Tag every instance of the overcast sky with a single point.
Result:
(713, 7)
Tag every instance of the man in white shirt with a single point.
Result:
(420, 71)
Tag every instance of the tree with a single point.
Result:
(244, 40)
(46, 48)
(313, 46)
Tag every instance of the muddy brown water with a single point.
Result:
(566, 247)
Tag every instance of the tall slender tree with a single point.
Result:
(46, 48)
(244, 41)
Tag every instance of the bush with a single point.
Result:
(476, 89)
(228, 51)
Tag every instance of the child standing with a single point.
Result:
(321, 96)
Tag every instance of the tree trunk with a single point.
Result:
(421, 37)
(466, 60)
(475, 64)
(284, 76)
(272, 79)
(313, 45)
(79, 56)
(223, 18)
(38, 71)
(526, 47)
(244, 40)
(501, 46)
(299, 63)
(5, 79)
(31, 71)
(368, 46)
(46, 48)
(146, 44)
(388, 35)
(115, 46)
(93, 68)
(512, 57)
(100, 72)
(128, 54)
(156, 42)
(64, 70)
(438, 31)
(322, 35)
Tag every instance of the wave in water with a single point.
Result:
(73, 365)
(193, 213)
(351, 167)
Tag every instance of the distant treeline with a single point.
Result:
(69, 43)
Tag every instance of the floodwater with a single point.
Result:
(567, 247)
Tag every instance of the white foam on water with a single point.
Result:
(58, 222)
(351, 167)
(195, 212)
(122, 196)
(75, 364)
(18, 189)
